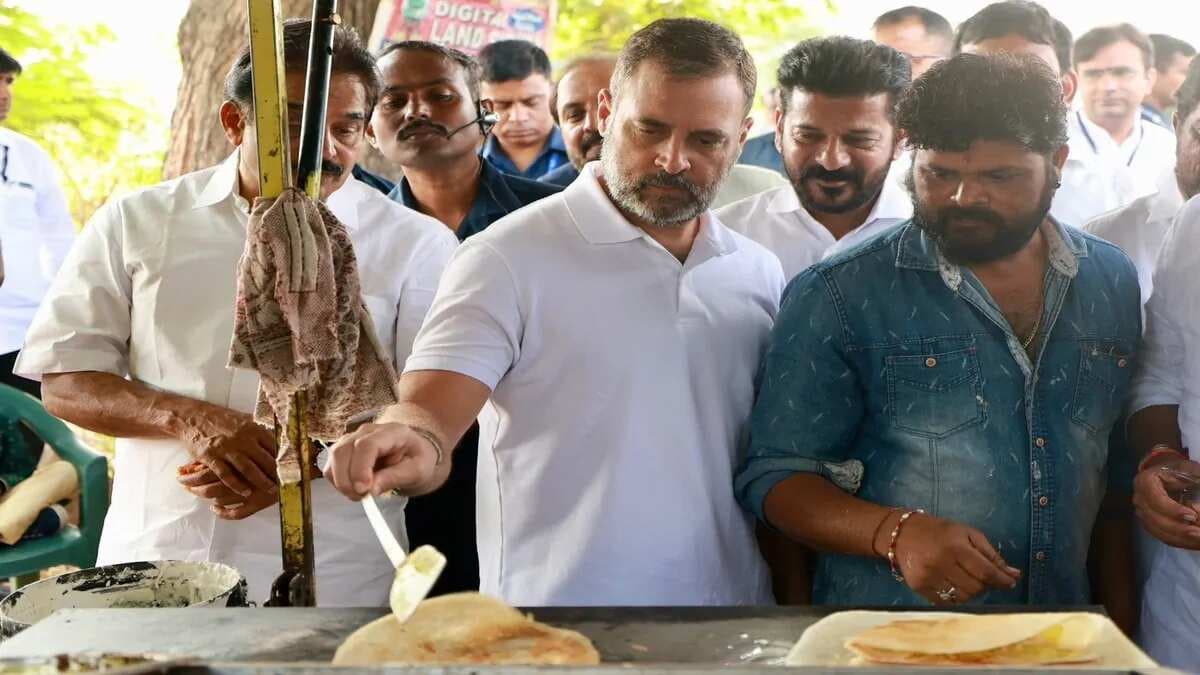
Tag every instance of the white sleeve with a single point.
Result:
(84, 321)
(55, 225)
(475, 325)
(1163, 358)
(420, 287)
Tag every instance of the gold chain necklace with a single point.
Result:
(1037, 324)
(1033, 333)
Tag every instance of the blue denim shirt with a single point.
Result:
(895, 375)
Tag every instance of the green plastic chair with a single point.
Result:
(73, 545)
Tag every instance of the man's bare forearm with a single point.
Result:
(815, 512)
(442, 403)
(114, 406)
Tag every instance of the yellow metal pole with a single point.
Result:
(296, 587)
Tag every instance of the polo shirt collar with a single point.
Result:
(600, 222)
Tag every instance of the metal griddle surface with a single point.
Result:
(295, 641)
(724, 635)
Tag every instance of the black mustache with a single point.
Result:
(818, 172)
(332, 169)
(329, 169)
(972, 213)
(409, 130)
(590, 140)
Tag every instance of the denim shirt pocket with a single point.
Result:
(935, 395)
(1105, 370)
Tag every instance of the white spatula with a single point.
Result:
(416, 573)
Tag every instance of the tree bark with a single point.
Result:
(210, 37)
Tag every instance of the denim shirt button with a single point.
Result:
(1121, 363)
(930, 362)
(1041, 556)
(1040, 442)
(1043, 501)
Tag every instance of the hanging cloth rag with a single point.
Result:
(301, 323)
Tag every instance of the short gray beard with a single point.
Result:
(625, 191)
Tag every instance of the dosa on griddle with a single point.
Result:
(465, 628)
(986, 639)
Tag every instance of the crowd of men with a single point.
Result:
(932, 349)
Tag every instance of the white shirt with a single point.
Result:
(776, 219)
(36, 232)
(622, 382)
(148, 292)
(1133, 166)
(1170, 375)
(1139, 228)
(745, 180)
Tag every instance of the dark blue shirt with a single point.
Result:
(554, 155)
(760, 151)
(499, 195)
(562, 176)
(931, 402)
(374, 180)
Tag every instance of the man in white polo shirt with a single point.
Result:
(836, 130)
(613, 332)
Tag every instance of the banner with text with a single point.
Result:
(466, 25)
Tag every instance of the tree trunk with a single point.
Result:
(207, 48)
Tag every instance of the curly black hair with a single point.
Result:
(1000, 97)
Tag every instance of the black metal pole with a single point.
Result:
(316, 95)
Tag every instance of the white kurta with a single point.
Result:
(777, 220)
(1170, 375)
(36, 232)
(622, 381)
(148, 293)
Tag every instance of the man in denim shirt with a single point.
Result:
(944, 392)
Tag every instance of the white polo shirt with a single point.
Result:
(36, 232)
(777, 220)
(622, 382)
